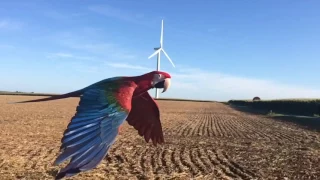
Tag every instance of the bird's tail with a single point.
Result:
(55, 97)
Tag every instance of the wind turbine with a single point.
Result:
(158, 50)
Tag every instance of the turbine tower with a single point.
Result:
(158, 50)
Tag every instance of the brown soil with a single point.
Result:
(203, 141)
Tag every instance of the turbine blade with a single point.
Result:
(167, 57)
(161, 36)
(157, 51)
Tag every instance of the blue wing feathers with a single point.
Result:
(81, 140)
(75, 125)
(80, 128)
(95, 155)
(75, 150)
(97, 159)
(90, 133)
(85, 132)
(86, 157)
(92, 108)
(76, 161)
(109, 137)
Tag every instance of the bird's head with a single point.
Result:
(161, 80)
(154, 79)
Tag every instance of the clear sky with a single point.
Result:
(222, 49)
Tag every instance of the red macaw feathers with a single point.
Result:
(145, 117)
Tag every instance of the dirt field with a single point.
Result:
(203, 141)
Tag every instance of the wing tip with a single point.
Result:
(12, 102)
(60, 175)
(157, 142)
(68, 173)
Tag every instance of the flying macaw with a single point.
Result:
(103, 107)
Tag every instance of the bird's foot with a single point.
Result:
(119, 129)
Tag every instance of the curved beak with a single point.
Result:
(167, 83)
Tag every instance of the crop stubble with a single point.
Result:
(203, 141)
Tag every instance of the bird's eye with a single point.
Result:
(157, 76)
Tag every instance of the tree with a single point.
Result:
(256, 98)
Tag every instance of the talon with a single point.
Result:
(119, 129)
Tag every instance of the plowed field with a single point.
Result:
(203, 141)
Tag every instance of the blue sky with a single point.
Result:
(222, 49)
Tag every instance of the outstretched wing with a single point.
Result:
(92, 130)
(145, 117)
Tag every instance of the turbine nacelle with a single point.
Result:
(158, 51)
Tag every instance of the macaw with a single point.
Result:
(102, 108)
